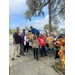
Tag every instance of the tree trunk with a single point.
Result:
(49, 19)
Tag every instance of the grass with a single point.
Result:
(58, 65)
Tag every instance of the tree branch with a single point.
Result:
(43, 5)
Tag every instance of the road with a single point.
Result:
(26, 65)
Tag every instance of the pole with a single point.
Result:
(49, 19)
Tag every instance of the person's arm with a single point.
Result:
(35, 31)
(39, 43)
(14, 39)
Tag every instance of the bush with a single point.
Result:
(13, 31)
(61, 53)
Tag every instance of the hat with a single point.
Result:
(31, 27)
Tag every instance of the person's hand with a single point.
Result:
(15, 44)
(51, 40)
(40, 47)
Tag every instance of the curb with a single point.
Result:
(57, 70)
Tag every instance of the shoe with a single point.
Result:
(36, 59)
(12, 59)
(23, 55)
(18, 56)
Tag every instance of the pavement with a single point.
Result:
(27, 65)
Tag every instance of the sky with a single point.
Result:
(17, 8)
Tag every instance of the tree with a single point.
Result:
(53, 27)
(56, 8)
(12, 31)
(62, 29)
(27, 28)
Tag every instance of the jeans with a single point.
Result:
(35, 52)
(26, 47)
(21, 49)
(43, 49)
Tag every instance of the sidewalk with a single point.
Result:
(26, 65)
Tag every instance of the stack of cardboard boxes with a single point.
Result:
(49, 40)
(31, 36)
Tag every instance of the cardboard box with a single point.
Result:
(31, 36)
(52, 45)
(30, 33)
(49, 40)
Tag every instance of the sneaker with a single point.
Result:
(18, 56)
(36, 59)
(12, 59)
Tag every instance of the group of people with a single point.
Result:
(38, 42)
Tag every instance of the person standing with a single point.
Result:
(52, 46)
(42, 45)
(23, 38)
(46, 35)
(21, 44)
(34, 31)
(35, 46)
(26, 43)
(16, 43)
(57, 37)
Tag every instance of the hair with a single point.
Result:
(35, 37)
(27, 33)
(23, 29)
(58, 32)
(31, 27)
(21, 33)
(17, 28)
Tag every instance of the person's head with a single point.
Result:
(57, 34)
(45, 33)
(41, 35)
(52, 34)
(27, 34)
(31, 27)
(17, 30)
(23, 30)
(34, 37)
(21, 34)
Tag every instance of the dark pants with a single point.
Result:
(56, 54)
(47, 45)
(37, 35)
(41, 50)
(26, 47)
(35, 52)
(21, 49)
